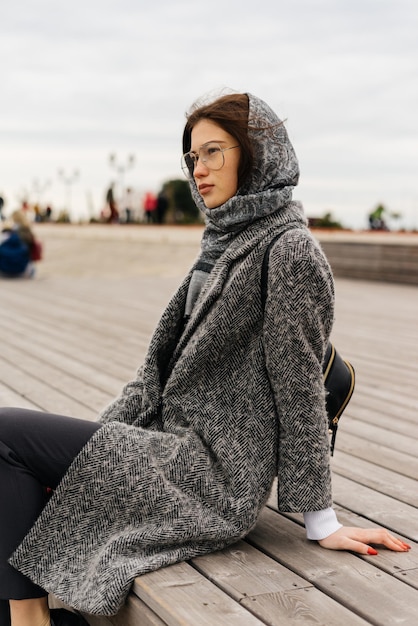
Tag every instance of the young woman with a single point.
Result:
(230, 395)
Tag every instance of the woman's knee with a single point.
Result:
(7, 418)
(15, 423)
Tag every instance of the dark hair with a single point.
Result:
(231, 113)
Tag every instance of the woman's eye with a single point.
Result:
(212, 150)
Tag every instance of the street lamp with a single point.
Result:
(68, 181)
(40, 188)
(121, 168)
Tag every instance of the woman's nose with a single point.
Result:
(200, 169)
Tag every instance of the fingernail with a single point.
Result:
(372, 551)
(406, 546)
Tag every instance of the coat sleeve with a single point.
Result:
(298, 318)
(127, 406)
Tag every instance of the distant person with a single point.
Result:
(128, 206)
(162, 206)
(37, 212)
(376, 218)
(19, 248)
(113, 216)
(150, 204)
(25, 207)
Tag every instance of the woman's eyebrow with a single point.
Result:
(210, 141)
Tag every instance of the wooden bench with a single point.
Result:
(69, 343)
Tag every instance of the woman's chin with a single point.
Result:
(210, 204)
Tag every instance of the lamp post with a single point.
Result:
(121, 168)
(68, 181)
(39, 188)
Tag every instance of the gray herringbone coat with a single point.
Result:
(187, 455)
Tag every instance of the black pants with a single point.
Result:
(35, 451)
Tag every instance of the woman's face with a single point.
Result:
(215, 186)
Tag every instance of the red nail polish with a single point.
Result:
(372, 551)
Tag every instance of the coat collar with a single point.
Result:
(259, 234)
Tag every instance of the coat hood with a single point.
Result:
(267, 191)
(274, 174)
(275, 162)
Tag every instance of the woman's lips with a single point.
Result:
(203, 189)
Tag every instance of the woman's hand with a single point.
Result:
(358, 540)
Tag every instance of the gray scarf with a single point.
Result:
(268, 189)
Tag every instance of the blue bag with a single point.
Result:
(14, 254)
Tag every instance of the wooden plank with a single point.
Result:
(72, 321)
(351, 581)
(80, 347)
(387, 418)
(409, 576)
(377, 478)
(389, 395)
(383, 362)
(244, 572)
(274, 594)
(407, 444)
(86, 392)
(398, 516)
(113, 339)
(180, 596)
(42, 395)
(299, 607)
(367, 310)
(133, 613)
(8, 397)
(49, 356)
(393, 390)
(391, 562)
(378, 454)
(72, 297)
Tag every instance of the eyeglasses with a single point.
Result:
(211, 154)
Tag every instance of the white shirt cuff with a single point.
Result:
(320, 524)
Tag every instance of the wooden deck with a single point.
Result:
(73, 336)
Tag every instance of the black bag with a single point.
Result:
(339, 376)
(339, 381)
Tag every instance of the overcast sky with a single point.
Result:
(83, 79)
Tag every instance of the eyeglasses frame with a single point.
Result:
(196, 157)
